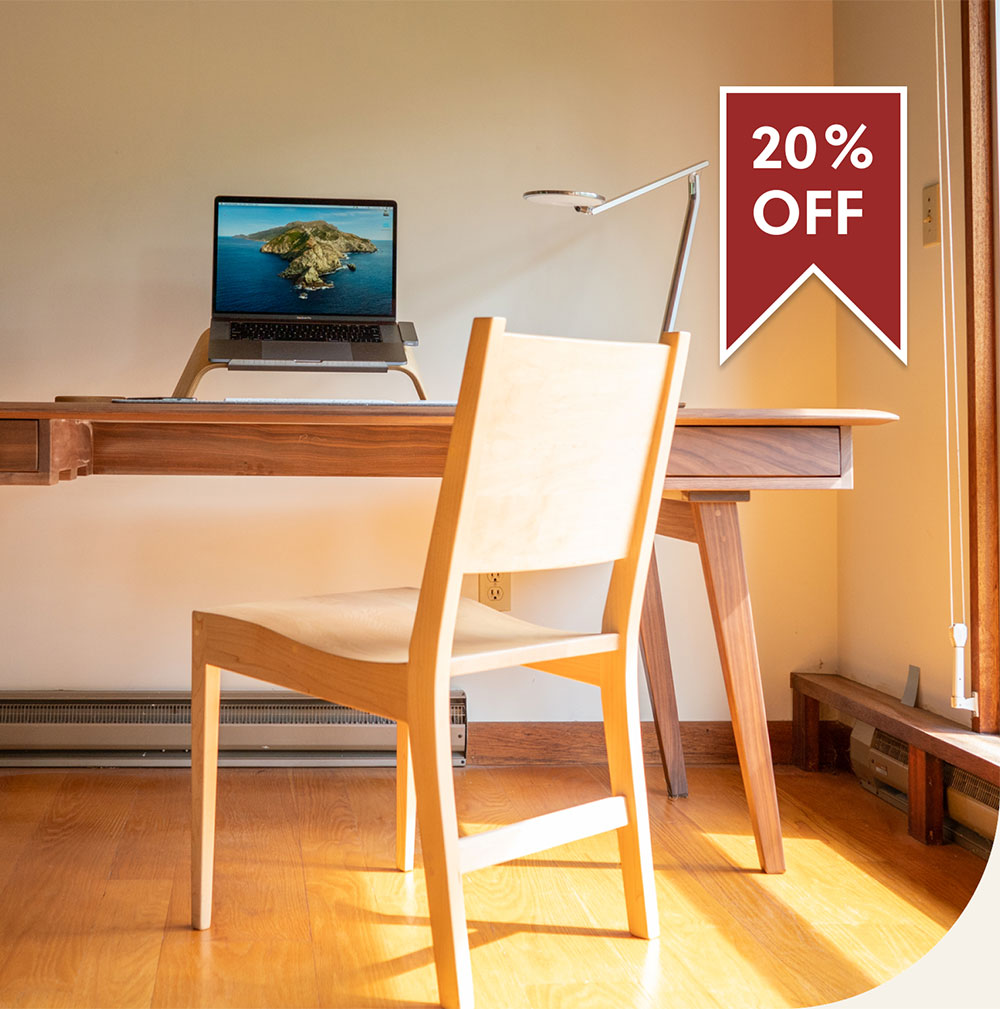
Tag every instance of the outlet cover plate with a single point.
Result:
(494, 589)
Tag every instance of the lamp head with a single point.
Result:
(582, 202)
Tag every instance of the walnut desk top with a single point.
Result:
(713, 449)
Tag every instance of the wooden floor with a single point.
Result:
(94, 898)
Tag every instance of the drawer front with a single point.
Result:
(756, 452)
(18, 446)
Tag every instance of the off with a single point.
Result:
(814, 209)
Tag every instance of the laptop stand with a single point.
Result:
(198, 364)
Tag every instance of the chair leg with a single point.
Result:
(622, 737)
(430, 742)
(406, 801)
(204, 773)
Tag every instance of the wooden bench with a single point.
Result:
(932, 740)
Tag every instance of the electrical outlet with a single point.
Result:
(931, 215)
(494, 589)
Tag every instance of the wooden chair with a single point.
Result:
(557, 459)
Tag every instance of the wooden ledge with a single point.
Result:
(977, 753)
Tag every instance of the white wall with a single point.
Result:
(893, 554)
(123, 121)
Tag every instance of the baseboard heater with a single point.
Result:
(63, 728)
(881, 763)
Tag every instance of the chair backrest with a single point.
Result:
(556, 459)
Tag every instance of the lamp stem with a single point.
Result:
(683, 251)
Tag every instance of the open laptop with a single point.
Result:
(305, 283)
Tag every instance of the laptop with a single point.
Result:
(305, 284)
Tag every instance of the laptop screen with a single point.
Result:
(316, 258)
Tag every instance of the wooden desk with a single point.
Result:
(718, 457)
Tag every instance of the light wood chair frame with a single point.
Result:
(415, 692)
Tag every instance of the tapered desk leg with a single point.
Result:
(718, 535)
(660, 678)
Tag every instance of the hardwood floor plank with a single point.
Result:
(96, 907)
(260, 887)
(589, 995)
(940, 878)
(698, 928)
(156, 841)
(571, 900)
(371, 933)
(197, 970)
(828, 889)
(25, 797)
(52, 902)
(121, 953)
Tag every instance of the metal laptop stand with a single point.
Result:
(198, 364)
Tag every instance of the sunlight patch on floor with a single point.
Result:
(826, 887)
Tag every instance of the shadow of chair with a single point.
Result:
(556, 460)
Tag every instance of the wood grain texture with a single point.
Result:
(859, 903)
(19, 446)
(294, 440)
(68, 859)
(63, 451)
(729, 600)
(540, 833)
(660, 679)
(805, 732)
(406, 801)
(498, 744)
(70, 450)
(757, 451)
(972, 751)
(926, 797)
(22, 807)
(105, 409)
(205, 698)
(981, 359)
(263, 449)
(676, 521)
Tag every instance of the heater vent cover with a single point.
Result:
(232, 712)
(71, 728)
(891, 746)
(975, 788)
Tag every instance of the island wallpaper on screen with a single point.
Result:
(310, 259)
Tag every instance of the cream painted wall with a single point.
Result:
(892, 558)
(123, 121)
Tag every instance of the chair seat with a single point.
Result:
(376, 626)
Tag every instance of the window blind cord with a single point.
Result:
(958, 630)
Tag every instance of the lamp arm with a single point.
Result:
(625, 197)
(683, 251)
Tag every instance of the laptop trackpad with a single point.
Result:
(294, 350)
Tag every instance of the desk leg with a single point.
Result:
(660, 678)
(718, 534)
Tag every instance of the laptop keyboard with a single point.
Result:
(326, 332)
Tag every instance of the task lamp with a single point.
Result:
(592, 203)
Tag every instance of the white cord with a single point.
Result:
(958, 630)
(944, 310)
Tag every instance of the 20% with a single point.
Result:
(800, 148)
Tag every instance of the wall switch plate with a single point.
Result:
(931, 215)
(494, 589)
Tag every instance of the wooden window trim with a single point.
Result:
(978, 70)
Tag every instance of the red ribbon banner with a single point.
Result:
(813, 184)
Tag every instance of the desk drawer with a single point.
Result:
(717, 457)
(18, 446)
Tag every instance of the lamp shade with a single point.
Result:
(564, 198)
